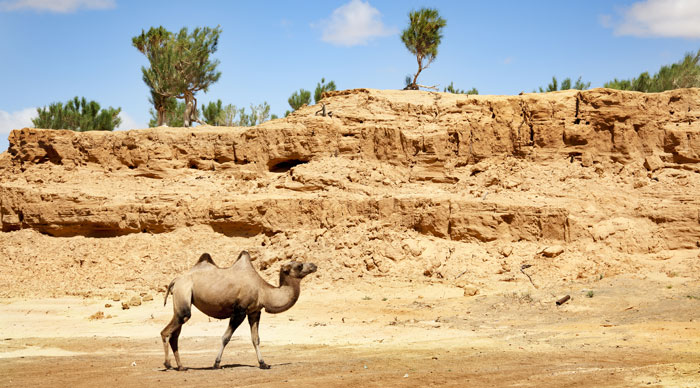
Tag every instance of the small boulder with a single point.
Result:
(147, 298)
(391, 253)
(413, 247)
(553, 251)
(505, 251)
(653, 162)
(135, 301)
(125, 306)
(586, 159)
(470, 290)
(97, 315)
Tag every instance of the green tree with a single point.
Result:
(422, 38)
(180, 64)
(322, 87)
(258, 114)
(299, 98)
(230, 113)
(163, 106)
(79, 115)
(565, 85)
(213, 113)
(451, 89)
(172, 116)
(155, 45)
(682, 74)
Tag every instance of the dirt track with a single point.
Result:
(631, 332)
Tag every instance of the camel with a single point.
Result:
(234, 292)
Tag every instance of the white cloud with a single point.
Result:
(354, 23)
(16, 120)
(57, 6)
(606, 21)
(128, 122)
(661, 18)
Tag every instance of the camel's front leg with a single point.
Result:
(233, 324)
(254, 321)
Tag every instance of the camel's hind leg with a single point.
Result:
(170, 335)
(233, 324)
(173, 344)
(165, 336)
(182, 305)
(254, 321)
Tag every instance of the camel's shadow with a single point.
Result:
(226, 366)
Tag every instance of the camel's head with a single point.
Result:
(298, 269)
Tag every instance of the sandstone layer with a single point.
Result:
(395, 183)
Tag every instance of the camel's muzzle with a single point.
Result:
(310, 268)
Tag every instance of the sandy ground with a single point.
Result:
(621, 331)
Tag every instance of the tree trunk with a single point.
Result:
(160, 116)
(189, 108)
(420, 68)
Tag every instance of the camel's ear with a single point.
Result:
(286, 268)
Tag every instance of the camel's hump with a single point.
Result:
(243, 255)
(205, 258)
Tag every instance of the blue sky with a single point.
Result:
(56, 49)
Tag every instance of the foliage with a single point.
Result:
(682, 74)
(154, 45)
(173, 114)
(299, 98)
(258, 115)
(422, 38)
(565, 85)
(215, 113)
(322, 87)
(303, 97)
(179, 65)
(161, 106)
(451, 89)
(78, 115)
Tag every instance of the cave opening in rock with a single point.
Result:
(285, 165)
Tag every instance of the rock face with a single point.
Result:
(602, 167)
(428, 136)
(430, 131)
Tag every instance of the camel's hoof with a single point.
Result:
(264, 366)
(217, 366)
(181, 369)
(167, 365)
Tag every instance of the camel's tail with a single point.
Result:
(170, 287)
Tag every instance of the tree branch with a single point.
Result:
(434, 87)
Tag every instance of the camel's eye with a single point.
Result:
(297, 266)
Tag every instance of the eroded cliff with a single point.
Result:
(402, 183)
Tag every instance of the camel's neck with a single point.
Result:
(282, 298)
